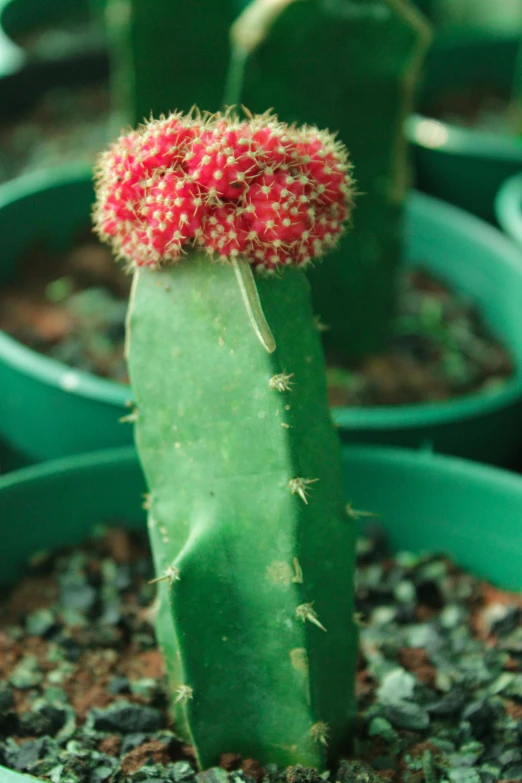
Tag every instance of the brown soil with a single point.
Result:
(71, 307)
(480, 108)
(66, 125)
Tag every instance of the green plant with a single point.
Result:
(351, 66)
(169, 54)
(254, 550)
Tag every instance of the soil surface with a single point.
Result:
(480, 108)
(67, 125)
(72, 308)
(83, 695)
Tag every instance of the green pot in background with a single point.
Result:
(489, 15)
(425, 502)
(73, 30)
(464, 166)
(479, 262)
(21, 87)
(508, 208)
(49, 410)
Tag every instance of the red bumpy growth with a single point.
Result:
(271, 193)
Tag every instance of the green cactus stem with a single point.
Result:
(253, 548)
(169, 54)
(351, 66)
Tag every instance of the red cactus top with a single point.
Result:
(272, 193)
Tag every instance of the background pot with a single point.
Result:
(48, 410)
(426, 502)
(22, 89)
(508, 208)
(22, 20)
(478, 261)
(464, 166)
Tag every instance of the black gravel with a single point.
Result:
(439, 682)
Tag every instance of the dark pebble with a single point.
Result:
(80, 597)
(513, 773)
(356, 772)
(30, 753)
(510, 756)
(449, 705)
(213, 775)
(40, 623)
(125, 717)
(508, 622)
(119, 685)
(131, 741)
(111, 615)
(103, 771)
(480, 714)
(46, 719)
(429, 594)
(181, 771)
(6, 697)
(406, 715)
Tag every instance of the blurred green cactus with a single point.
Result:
(170, 54)
(350, 66)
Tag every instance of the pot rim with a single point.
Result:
(508, 207)
(53, 373)
(447, 138)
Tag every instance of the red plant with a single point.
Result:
(271, 193)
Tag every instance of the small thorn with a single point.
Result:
(299, 486)
(147, 501)
(184, 693)
(130, 417)
(352, 513)
(359, 621)
(319, 732)
(281, 382)
(170, 576)
(319, 324)
(298, 573)
(306, 612)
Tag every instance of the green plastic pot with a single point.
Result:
(426, 502)
(48, 410)
(23, 82)
(508, 208)
(21, 17)
(464, 166)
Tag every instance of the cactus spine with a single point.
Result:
(246, 506)
(254, 551)
(351, 66)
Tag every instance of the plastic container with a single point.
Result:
(478, 261)
(508, 208)
(21, 19)
(48, 410)
(425, 501)
(464, 166)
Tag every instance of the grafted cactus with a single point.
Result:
(348, 65)
(253, 548)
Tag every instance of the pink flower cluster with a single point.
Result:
(272, 193)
